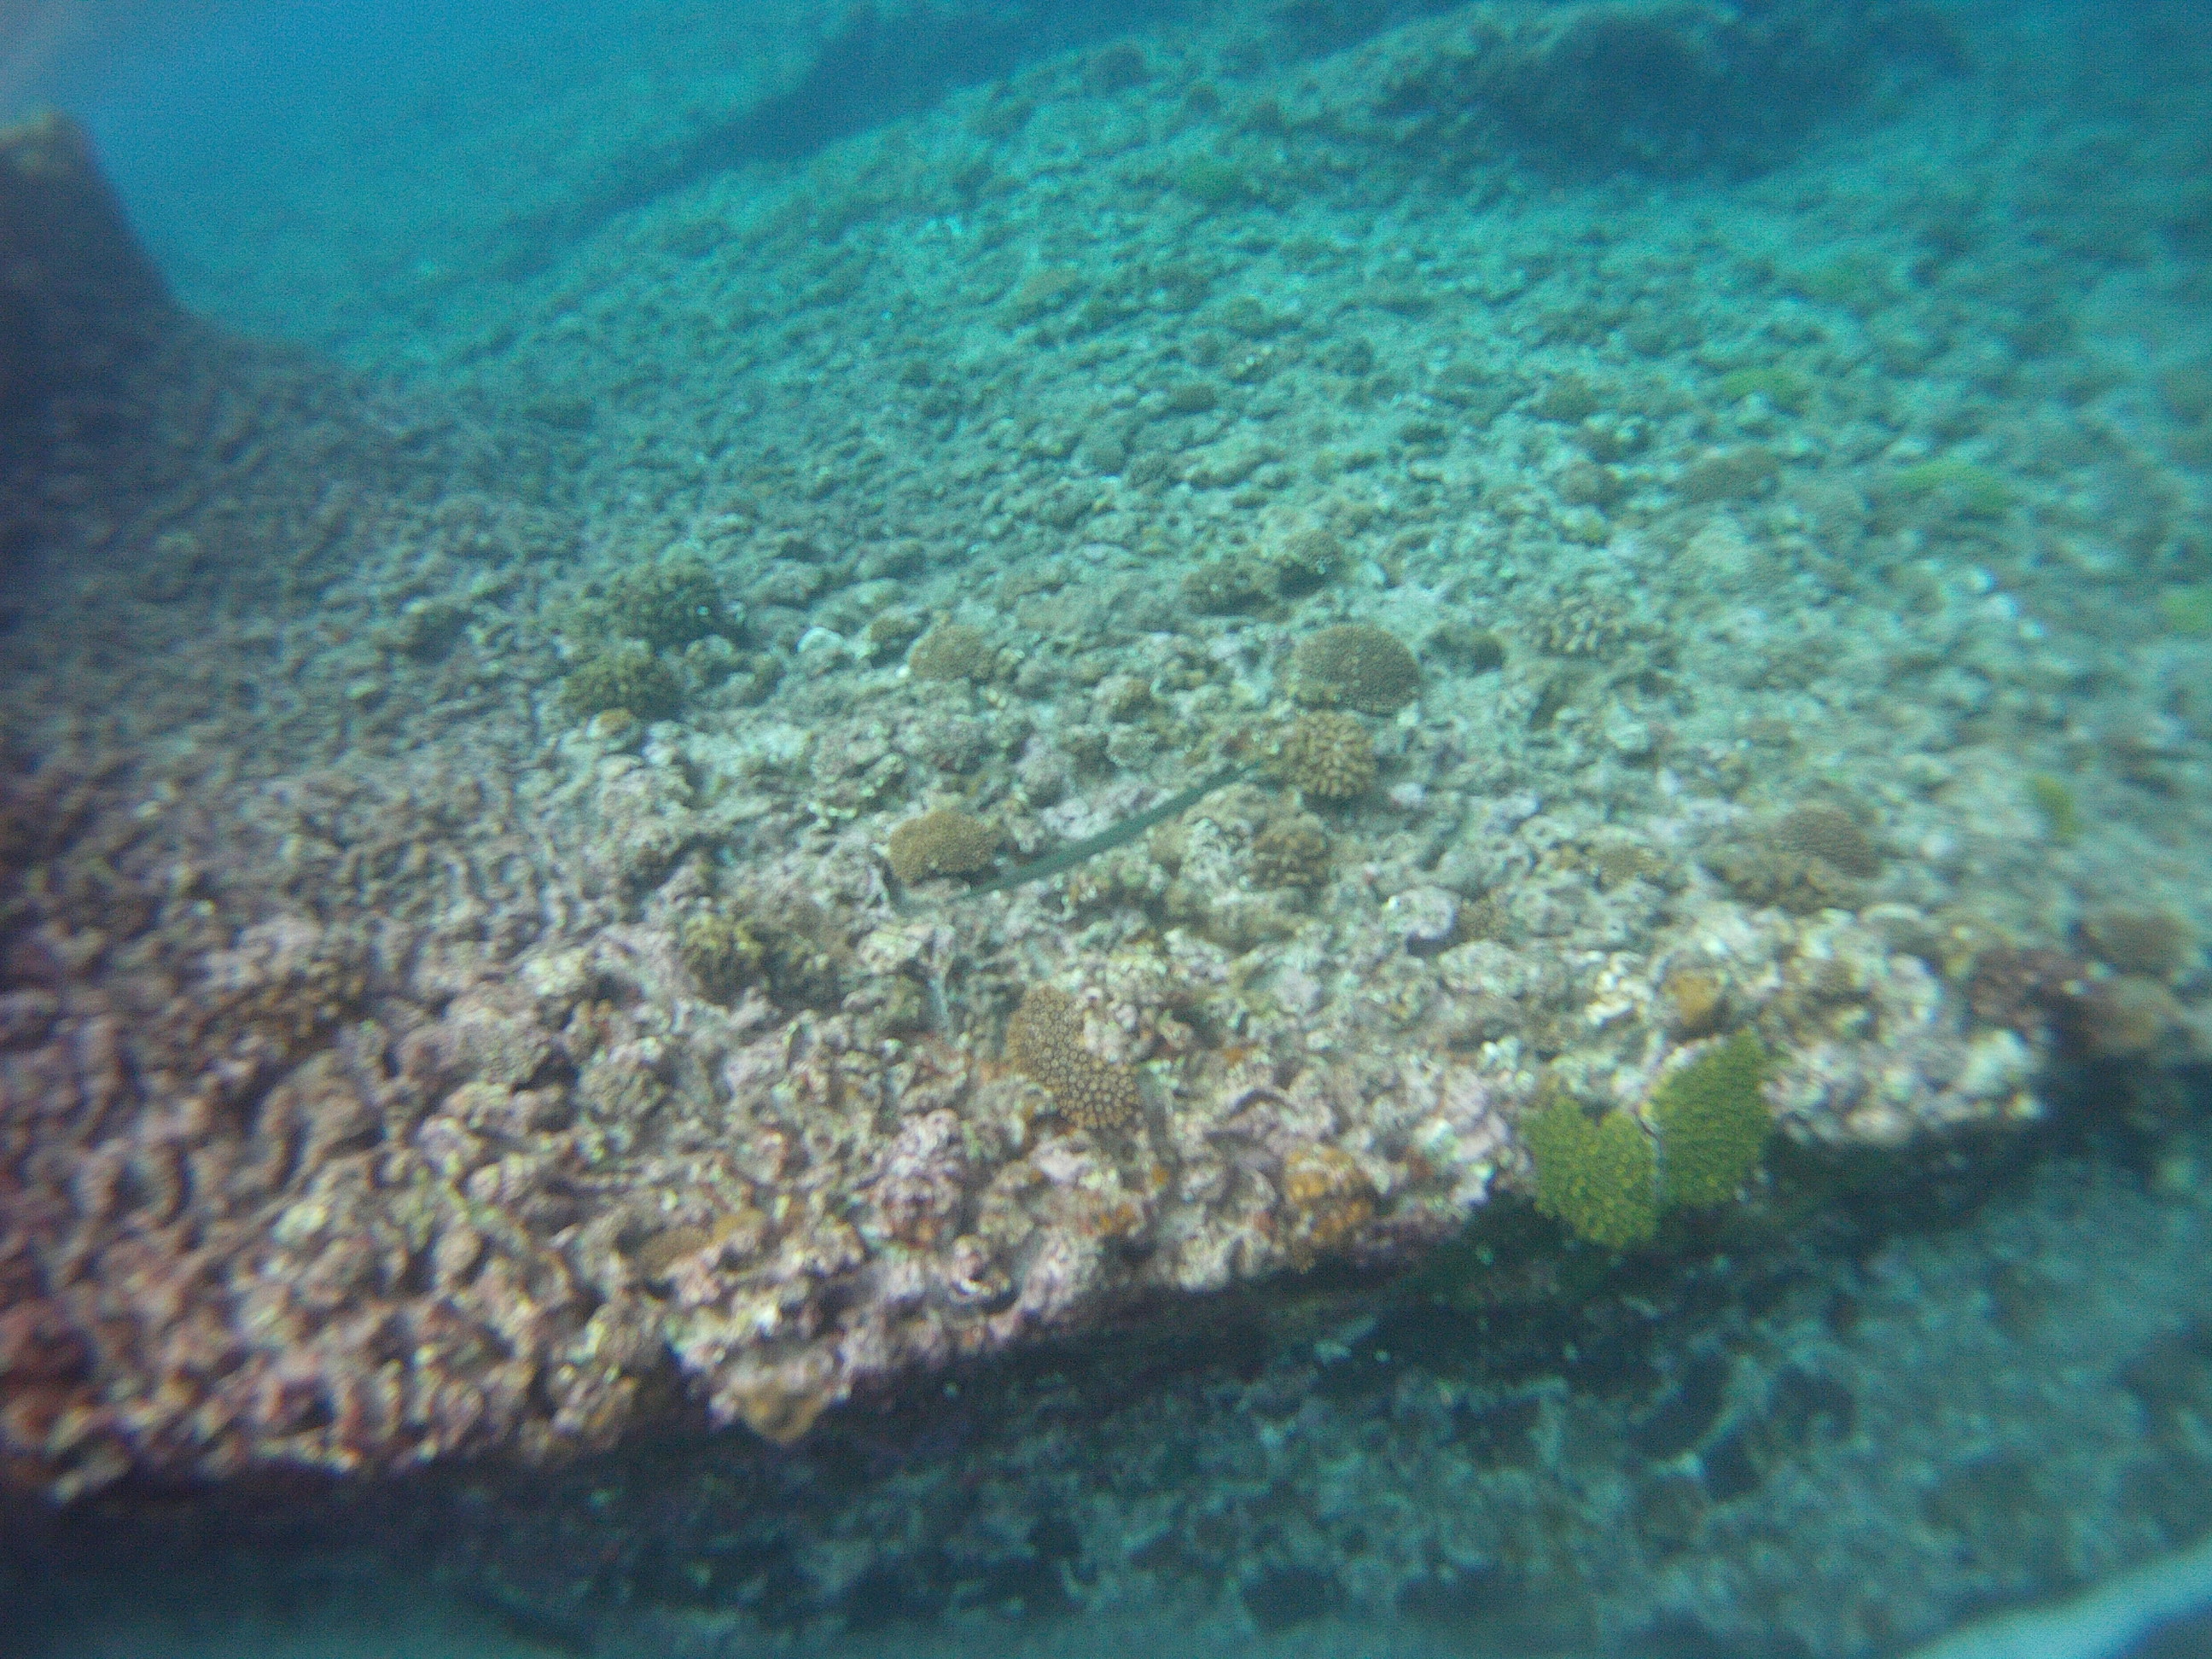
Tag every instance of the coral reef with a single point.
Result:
(628, 676)
(943, 842)
(1327, 756)
(1044, 1041)
(389, 1073)
(1355, 666)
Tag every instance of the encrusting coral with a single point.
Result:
(1044, 1042)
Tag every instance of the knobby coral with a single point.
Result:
(1044, 1042)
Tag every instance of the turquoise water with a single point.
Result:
(1657, 1102)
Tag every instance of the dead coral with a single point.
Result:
(953, 651)
(1329, 757)
(1354, 665)
(1044, 1042)
(944, 842)
(1291, 851)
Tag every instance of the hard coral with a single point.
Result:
(1711, 1122)
(1830, 834)
(1355, 666)
(668, 603)
(1601, 1177)
(953, 651)
(721, 952)
(943, 842)
(1609, 1178)
(1044, 1041)
(1291, 851)
(1327, 756)
(2154, 943)
(627, 676)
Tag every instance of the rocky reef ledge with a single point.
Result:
(486, 962)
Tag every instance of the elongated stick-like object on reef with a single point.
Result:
(1115, 835)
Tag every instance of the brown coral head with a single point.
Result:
(1354, 665)
(953, 651)
(2022, 990)
(1829, 833)
(1327, 756)
(1044, 1042)
(1290, 850)
(2123, 1017)
(944, 842)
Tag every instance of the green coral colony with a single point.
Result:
(1696, 1142)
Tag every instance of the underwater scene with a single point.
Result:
(1309, 828)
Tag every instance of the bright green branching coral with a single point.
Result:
(1609, 1178)
(1711, 1122)
(1600, 1178)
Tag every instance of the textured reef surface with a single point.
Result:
(1698, 605)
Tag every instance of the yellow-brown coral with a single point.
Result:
(1044, 1041)
(944, 842)
(1326, 1199)
(1355, 666)
(952, 651)
(1291, 851)
(1327, 756)
(1829, 833)
(2154, 943)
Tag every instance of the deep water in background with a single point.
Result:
(1799, 513)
